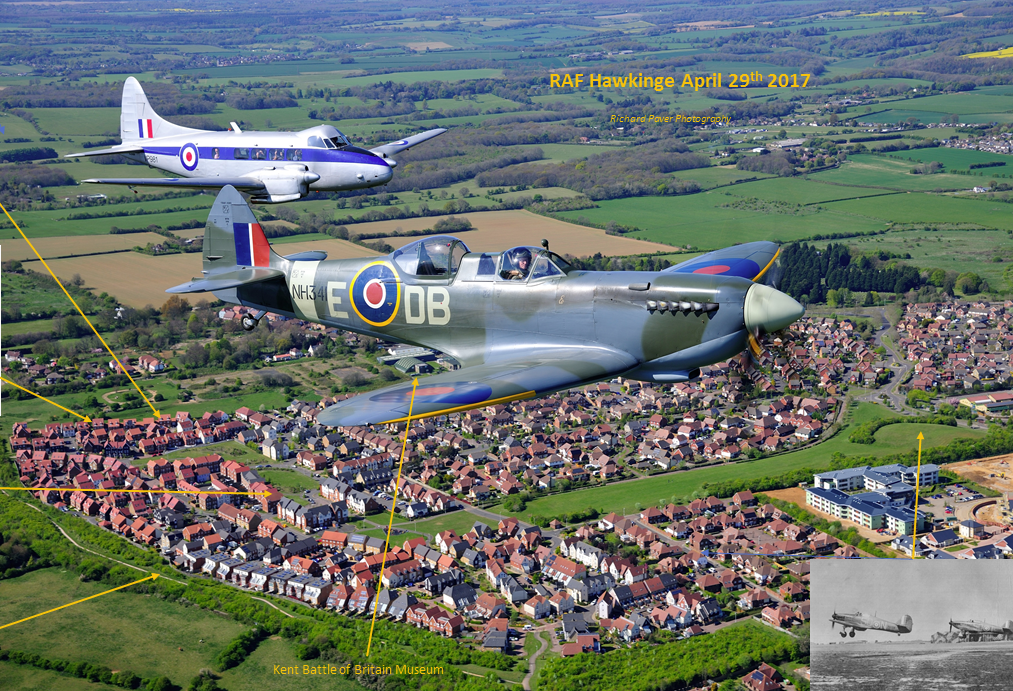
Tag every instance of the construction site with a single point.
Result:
(995, 473)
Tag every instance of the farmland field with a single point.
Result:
(681, 221)
(77, 245)
(499, 230)
(134, 279)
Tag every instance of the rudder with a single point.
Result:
(138, 120)
(905, 623)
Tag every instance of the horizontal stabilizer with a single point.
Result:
(240, 183)
(230, 279)
(406, 143)
(310, 256)
(120, 149)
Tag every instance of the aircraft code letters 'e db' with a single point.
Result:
(272, 167)
(521, 323)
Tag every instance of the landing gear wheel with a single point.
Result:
(851, 633)
(249, 323)
(844, 634)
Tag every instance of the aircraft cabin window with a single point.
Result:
(215, 153)
(295, 154)
(543, 268)
(315, 142)
(259, 155)
(277, 154)
(240, 154)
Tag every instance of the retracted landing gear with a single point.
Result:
(250, 321)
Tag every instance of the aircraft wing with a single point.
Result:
(240, 183)
(750, 260)
(118, 149)
(407, 143)
(524, 375)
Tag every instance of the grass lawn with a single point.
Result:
(228, 450)
(289, 481)
(121, 630)
(458, 521)
(677, 487)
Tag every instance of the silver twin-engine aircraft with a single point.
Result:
(271, 167)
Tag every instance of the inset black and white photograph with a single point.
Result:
(902, 625)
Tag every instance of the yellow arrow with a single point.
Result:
(918, 482)
(397, 483)
(16, 386)
(88, 321)
(142, 491)
(77, 602)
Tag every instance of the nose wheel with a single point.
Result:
(250, 321)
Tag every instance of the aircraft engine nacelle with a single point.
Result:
(284, 184)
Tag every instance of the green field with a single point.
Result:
(928, 208)
(680, 220)
(121, 630)
(958, 159)
(682, 485)
(882, 171)
(953, 250)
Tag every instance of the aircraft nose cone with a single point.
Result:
(769, 310)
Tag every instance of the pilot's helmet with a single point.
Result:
(520, 254)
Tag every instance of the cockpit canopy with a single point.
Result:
(325, 137)
(521, 263)
(438, 255)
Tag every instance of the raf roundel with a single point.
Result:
(376, 293)
(188, 156)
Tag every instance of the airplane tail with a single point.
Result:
(905, 623)
(1009, 627)
(233, 236)
(236, 251)
(138, 120)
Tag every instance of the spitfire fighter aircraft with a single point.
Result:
(272, 167)
(522, 323)
(864, 622)
(977, 630)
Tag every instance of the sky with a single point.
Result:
(931, 591)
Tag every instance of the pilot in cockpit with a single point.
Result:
(518, 264)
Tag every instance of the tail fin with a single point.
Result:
(236, 251)
(1009, 627)
(233, 237)
(905, 623)
(138, 120)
